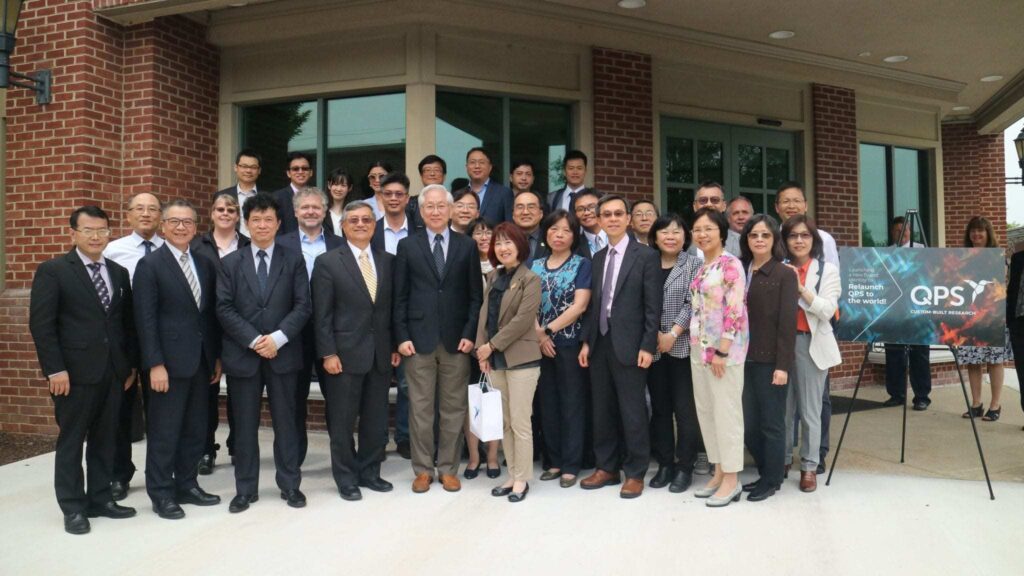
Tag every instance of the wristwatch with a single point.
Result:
(549, 331)
(721, 354)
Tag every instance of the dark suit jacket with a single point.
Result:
(70, 328)
(204, 245)
(291, 241)
(245, 315)
(497, 203)
(1013, 291)
(555, 198)
(346, 321)
(285, 198)
(636, 307)
(430, 309)
(173, 331)
(377, 242)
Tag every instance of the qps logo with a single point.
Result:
(944, 295)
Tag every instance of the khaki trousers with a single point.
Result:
(517, 388)
(442, 376)
(720, 413)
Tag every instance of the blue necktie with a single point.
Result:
(261, 272)
(439, 255)
(148, 246)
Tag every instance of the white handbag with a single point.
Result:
(485, 418)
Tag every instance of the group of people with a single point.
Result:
(614, 334)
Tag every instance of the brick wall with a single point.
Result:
(623, 160)
(134, 109)
(973, 174)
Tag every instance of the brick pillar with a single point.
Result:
(623, 160)
(106, 128)
(973, 175)
(836, 193)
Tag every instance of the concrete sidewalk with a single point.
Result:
(931, 515)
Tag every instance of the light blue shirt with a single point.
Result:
(311, 248)
(128, 250)
(191, 262)
(444, 241)
(482, 192)
(277, 336)
(391, 237)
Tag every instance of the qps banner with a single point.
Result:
(942, 296)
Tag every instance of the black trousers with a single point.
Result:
(310, 363)
(352, 396)
(764, 420)
(896, 359)
(213, 422)
(177, 432)
(561, 391)
(87, 415)
(1017, 344)
(124, 468)
(673, 442)
(246, 396)
(621, 425)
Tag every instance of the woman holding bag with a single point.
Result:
(508, 350)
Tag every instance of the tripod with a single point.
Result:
(910, 219)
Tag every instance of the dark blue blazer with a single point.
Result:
(285, 198)
(173, 331)
(431, 308)
(245, 313)
(497, 203)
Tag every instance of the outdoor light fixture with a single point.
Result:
(1018, 143)
(38, 82)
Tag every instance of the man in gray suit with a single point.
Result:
(263, 305)
(352, 323)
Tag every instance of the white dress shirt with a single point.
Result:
(128, 250)
(567, 196)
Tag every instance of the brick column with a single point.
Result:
(623, 160)
(973, 175)
(117, 126)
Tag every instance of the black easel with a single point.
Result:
(911, 217)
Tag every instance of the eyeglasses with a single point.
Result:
(367, 220)
(376, 177)
(94, 232)
(760, 235)
(248, 166)
(644, 214)
(434, 207)
(799, 236)
(791, 202)
(709, 230)
(300, 169)
(145, 209)
(465, 206)
(175, 222)
(432, 170)
(478, 163)
(713, 200)
(613, 213)
(226, 209)
(394, 194)
(483, 233)
(526, 207)
(588, 208)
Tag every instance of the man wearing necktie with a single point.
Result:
(80, 316)
(143, 215)
(620, 331)
(175, 298)
(263, 304)
(352, 290)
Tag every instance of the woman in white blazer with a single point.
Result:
(816, 349)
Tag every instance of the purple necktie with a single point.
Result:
(606, 291)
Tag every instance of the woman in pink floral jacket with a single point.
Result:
(718, 344)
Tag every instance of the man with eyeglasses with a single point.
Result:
(521, 176)
(740, 210)
(574, 171)
(642, 218)
(465, 209)
(300, 173)
(527, 212)
(143, 214)
(247, 171)
(495, 197)
(180, 340)
(80, 317)
(584, 205)
(309, 241)
(387, 233)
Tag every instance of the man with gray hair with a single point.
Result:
(310, 240)
(438, 292)
(740, 210)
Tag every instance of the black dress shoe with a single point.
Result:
(198, 497)
(168, 509)
(501, 491)
(494, 472)
(680, 482)
(471, 473)
(821, 467)
(240, 503)
(663, 477)
(110, 510)
(118, 490)
(761, 493)
(921, 405)
(751, 486)
(519, 496)
(404, 451)
(294, 497)
(894, 401)
(76, 523)
(350, 493)
(206, 464)
(377, 484)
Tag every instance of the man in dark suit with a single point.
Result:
(495, 197)
(1015, 313)
(620, 332)
(80, 316)
(175, 300)
(309, 241)
(527, 212)
(592, 236)
(574, 170)
(300, 172)
(263, 305)
(248, 163)
(352, 289)
(438, 292)
(521, 177)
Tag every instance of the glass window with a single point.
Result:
(364, 130)
(709, 162)
(777, 169)
(892, 181)
(466, 121)
(751, 160)
(274, 130)
(679, 160)
(539, 132)
(874, 196)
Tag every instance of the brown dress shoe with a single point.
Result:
(422, 483)
(633, 488)
(808, 481)
(450, 483)
(600, 479)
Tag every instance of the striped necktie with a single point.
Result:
(101, 286)
(369, 275)
(186, 268)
